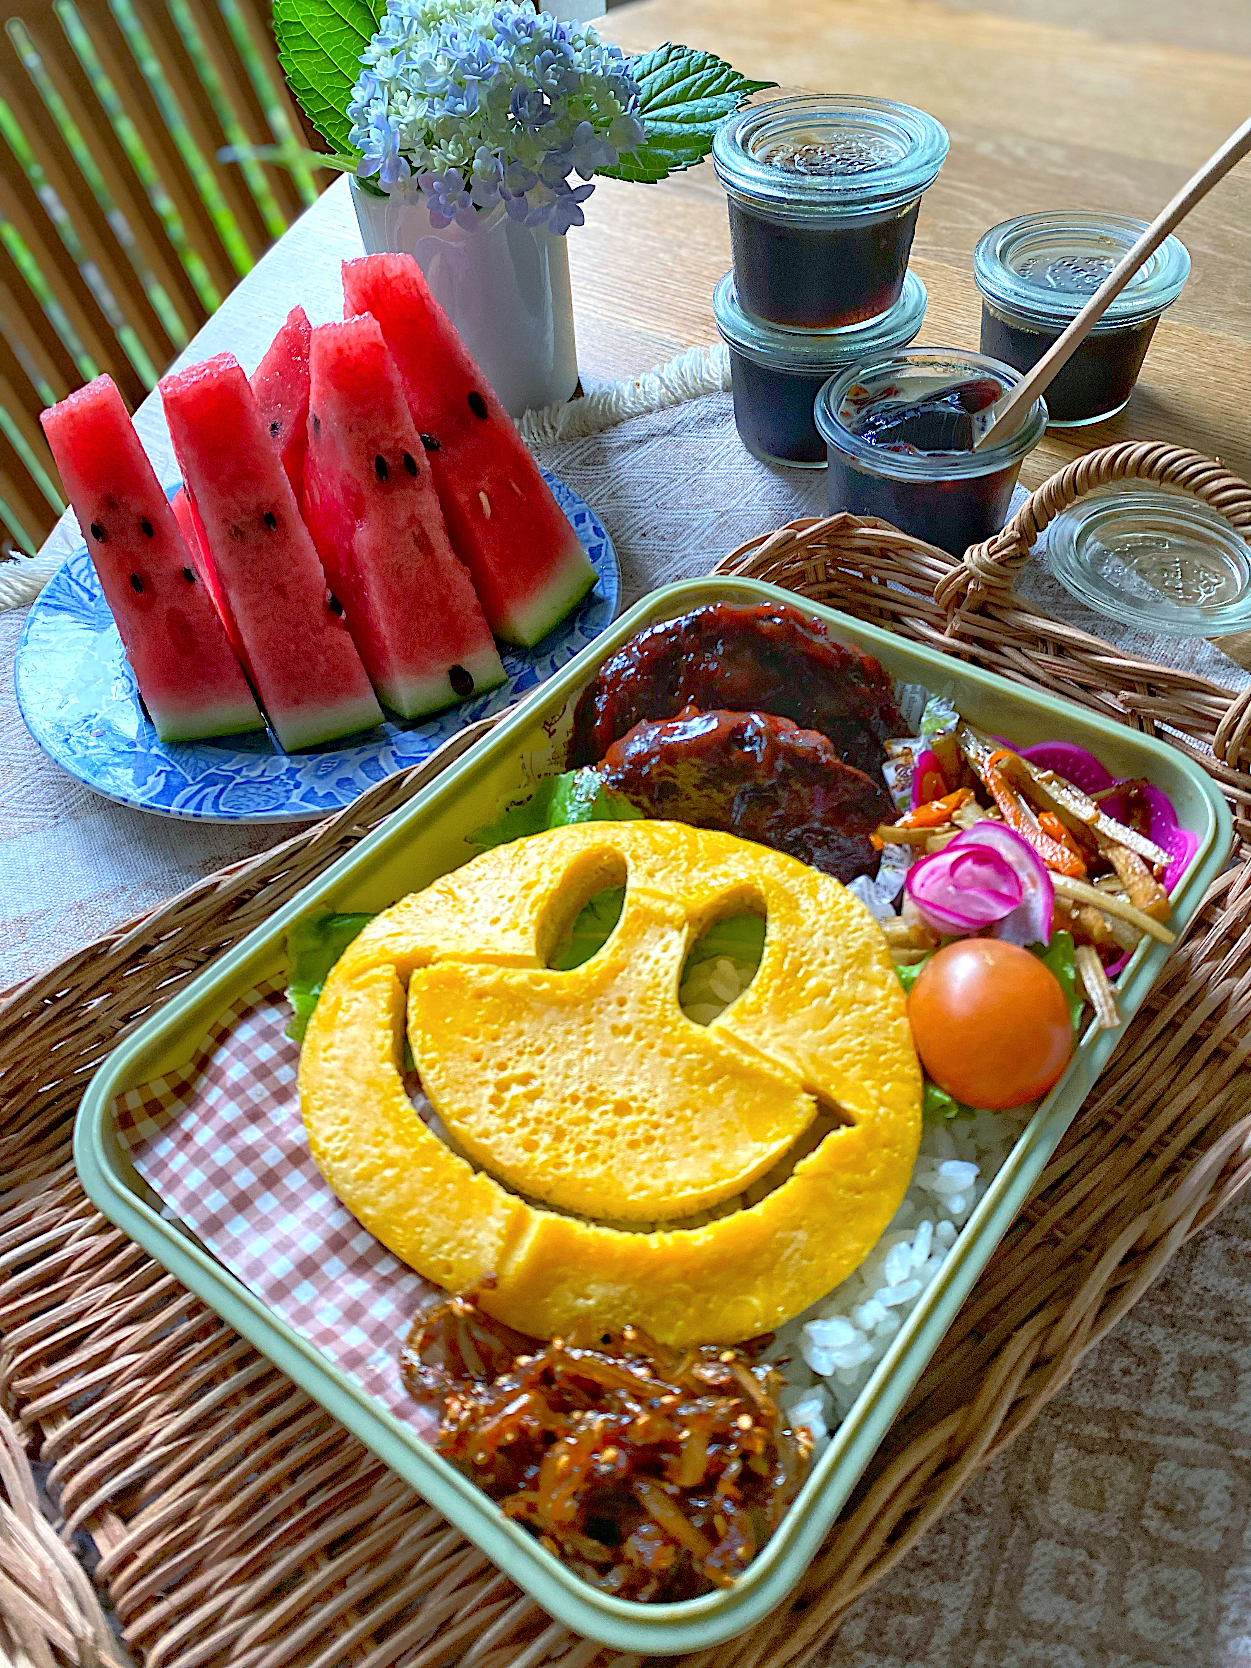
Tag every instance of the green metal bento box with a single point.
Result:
(426, 838)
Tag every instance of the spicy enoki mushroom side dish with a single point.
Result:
(684, 1087)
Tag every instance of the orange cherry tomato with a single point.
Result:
(990, 1023)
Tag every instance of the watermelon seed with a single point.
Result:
(410, 463)
(136, 584)
(335, 606)
(270, 519)
(145, 527)
(430, 443)
(477, 404)
(461, 680)
(97, 532)
(380, 467)
(275, 428)
(316, 425)
(486, 505)
(189, 575)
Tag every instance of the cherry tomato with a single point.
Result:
(990, 1023)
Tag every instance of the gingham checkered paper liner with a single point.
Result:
(222, 1143)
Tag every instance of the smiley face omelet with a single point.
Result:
(595, 1126)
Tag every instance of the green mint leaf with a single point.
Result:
(684, 94)
(319, 46)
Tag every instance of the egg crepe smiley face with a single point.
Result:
(584, 1102)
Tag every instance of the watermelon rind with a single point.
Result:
(526, 561)
(204, 722)
(286, 627)
(371, 506)
(190, 682)
(529, 624)
(421, 697)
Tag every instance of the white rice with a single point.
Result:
(827, 1354)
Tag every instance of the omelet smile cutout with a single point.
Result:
(585, 1102)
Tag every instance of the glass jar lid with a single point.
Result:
(1154, 559)
(812, 158)
(1047, 266)
(812, 352)
(904, 380)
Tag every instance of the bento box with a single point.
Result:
(428, 838)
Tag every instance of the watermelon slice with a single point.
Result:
(525, 560)
(280, 383)
(370, 504)
(287, 628)
(188, 676)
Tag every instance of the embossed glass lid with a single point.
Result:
(1155, 560)
(1047, 266)
(810, 158)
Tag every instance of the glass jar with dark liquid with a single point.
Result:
(1037, 272)
(899, 434)
(776, 374)
(823, 199)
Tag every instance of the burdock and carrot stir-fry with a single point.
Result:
(686, 1085)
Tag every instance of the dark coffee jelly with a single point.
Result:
(1097, 380)
(820, 277)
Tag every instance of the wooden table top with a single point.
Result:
(1041, 116)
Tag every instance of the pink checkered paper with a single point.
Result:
(222, 1144)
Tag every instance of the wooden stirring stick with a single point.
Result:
(1009, 409)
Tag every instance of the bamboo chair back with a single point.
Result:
(121, 230)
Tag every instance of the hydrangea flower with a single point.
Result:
(491, 103)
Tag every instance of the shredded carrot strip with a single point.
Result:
(1051, 824)
(1055, 855)
(935, 812)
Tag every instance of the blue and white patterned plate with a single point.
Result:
(77, 695)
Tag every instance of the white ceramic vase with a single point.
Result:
(505, 287)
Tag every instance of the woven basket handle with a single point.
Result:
(989, 570)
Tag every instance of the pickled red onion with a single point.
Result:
(1030, 921)
(964, 888)
(956, 898)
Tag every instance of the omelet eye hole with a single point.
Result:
(721, 964)
(582, 919)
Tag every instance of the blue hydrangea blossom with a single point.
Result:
(476, 105)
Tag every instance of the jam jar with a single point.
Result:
(899, 434)
(1037, 272)
(777, 374)
(823, 198)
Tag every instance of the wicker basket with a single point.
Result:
(238, 1524)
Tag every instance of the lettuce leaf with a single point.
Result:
(741, 937)
(591, 929)
(314, 944)
(574, 796)
(1060, 958)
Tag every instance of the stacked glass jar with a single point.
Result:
(823, 198)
